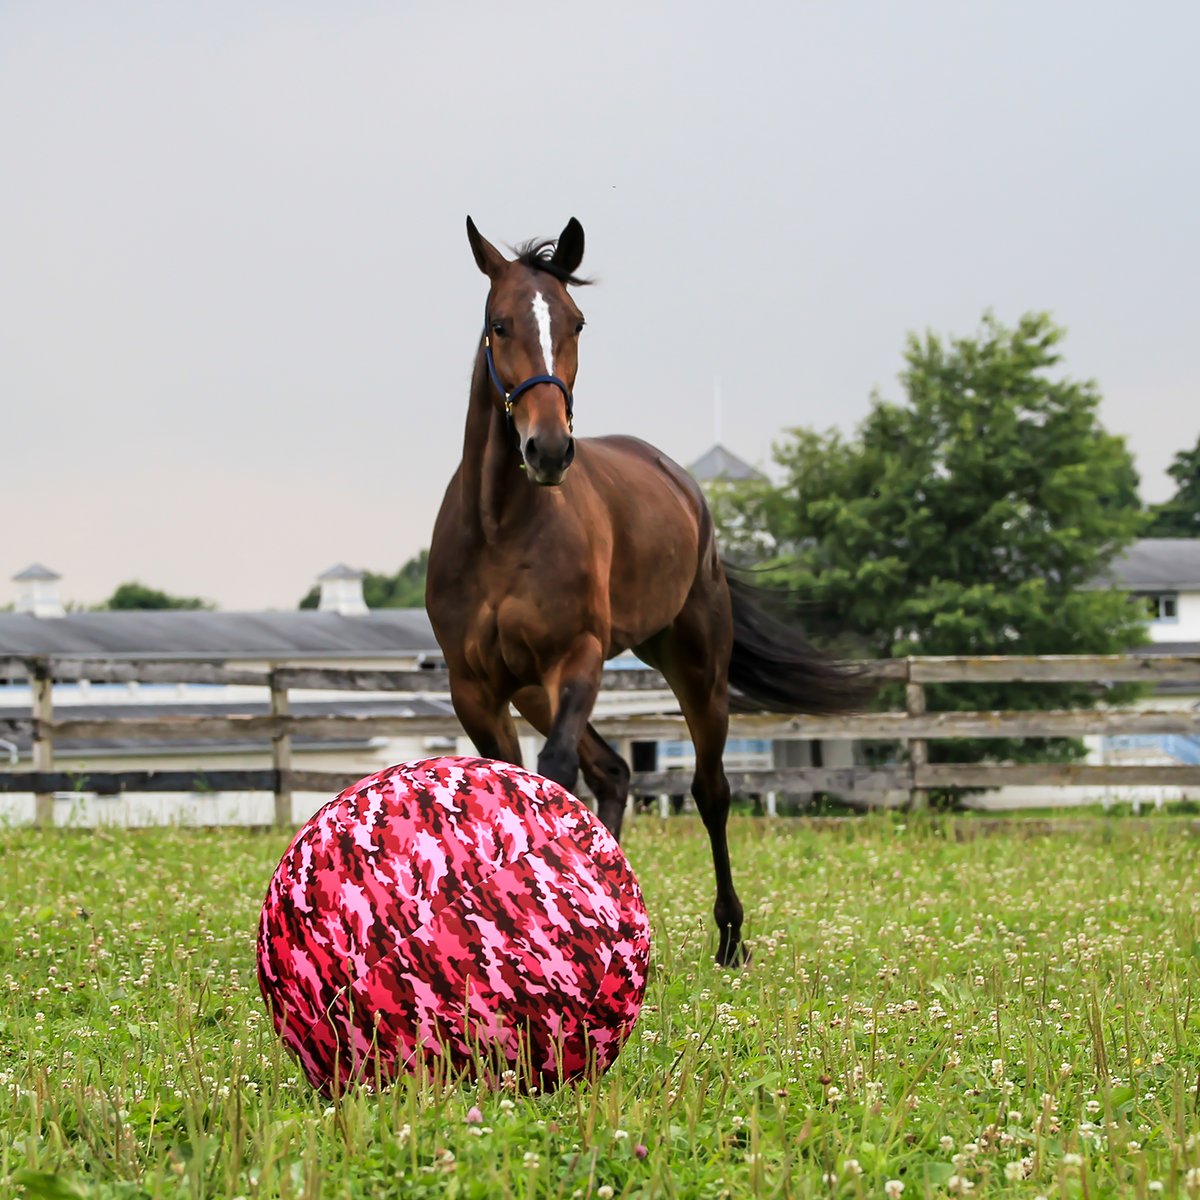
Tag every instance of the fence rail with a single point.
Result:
(1046, 668)
(914, 727)
(886, 726)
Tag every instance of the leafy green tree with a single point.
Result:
(972, 518)
(405, 589)
(134, 596)
(1180, 516)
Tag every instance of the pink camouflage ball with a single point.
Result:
(455, 909)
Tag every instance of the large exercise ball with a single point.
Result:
(454, 914)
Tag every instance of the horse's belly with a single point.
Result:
(648, 586)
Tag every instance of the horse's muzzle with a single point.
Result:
(547, 458)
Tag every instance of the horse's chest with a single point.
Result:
(525, 625)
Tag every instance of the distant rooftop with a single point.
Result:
(35, 571)
(1158, 565)
(380, 633)
(341, 571)
(720, 463)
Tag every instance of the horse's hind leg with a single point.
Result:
(708, 723)
(693, 655)
(607, 774)
(604, 769)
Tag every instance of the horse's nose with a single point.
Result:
(548, 456)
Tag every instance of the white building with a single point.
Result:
(1165, 574)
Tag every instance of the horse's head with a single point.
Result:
(532, 336)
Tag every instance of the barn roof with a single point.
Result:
(381, 633)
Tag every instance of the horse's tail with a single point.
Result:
(776, 667)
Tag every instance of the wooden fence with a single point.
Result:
(913, 727)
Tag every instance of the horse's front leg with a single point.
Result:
(572, 687)
(485, 717)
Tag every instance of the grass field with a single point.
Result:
(922, 1016)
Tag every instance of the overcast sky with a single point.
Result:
(238, 309)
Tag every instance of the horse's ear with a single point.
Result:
(568, 254)
(491, 262)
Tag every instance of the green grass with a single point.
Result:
(1005, 1016)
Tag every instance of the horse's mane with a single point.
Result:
(538, 255)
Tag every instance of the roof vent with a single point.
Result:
(341, 591)
(37, 592)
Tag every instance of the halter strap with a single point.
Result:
(510, 398)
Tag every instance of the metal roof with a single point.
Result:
(720, 463)
(341, 571)
(381, 633)
(1157, 564)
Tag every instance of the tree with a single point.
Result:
(1180, 516)
(405, 589)
(972, 518)
(134, 596)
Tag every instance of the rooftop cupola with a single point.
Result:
(37, 592)
(341, 591)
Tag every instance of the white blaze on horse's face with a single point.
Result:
(541, 314)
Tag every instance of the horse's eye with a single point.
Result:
(579, 329)
(498, 328)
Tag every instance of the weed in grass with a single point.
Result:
(921, 1017)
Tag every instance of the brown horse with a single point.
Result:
(552, 554)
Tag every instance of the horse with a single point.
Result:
(552, 554)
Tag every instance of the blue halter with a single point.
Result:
(510, 398)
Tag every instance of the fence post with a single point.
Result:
(42, 687)
(918, 748)
(281, 756)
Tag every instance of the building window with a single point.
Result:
(1161, 606)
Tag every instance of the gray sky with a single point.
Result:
(238, 308)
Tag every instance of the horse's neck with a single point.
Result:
(490, 470)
